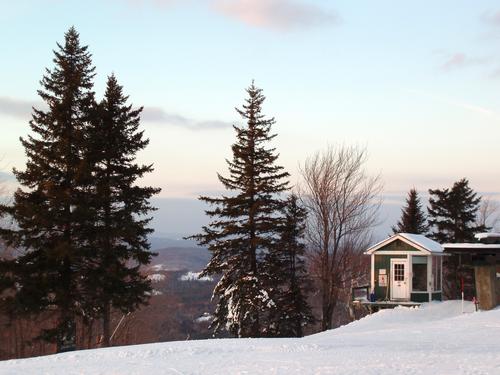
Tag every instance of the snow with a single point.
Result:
(206, 317)
(414, 239)
(475, 246)
(156, 277)
(158, 267)
(434, 339)
(154, 292)
(422, 241)
(487, 235)
(194, 276)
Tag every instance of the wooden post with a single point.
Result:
(372, 281)
(429, 276)
(485, 276)
(410, 274)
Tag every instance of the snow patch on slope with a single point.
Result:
(194, 276)
(156, 277)
(157, 268)
(206, 317)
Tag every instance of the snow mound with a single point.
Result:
(400, 316)
(434, 339)
(194, 276)
(157, 268)
(154, 292)
(156, 277)
(206, 317)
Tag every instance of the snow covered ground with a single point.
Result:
(435, 339)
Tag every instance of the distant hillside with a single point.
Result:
(181, 258)
(158, 243)
(178, 254)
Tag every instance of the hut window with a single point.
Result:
(436, 272)
(419, 279)
(399, 272)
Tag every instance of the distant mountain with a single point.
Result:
(159, 243)
(181, 258)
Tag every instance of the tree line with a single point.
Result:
(81, 220)
(79, 217)
(454, 215)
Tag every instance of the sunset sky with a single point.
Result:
(417, 84)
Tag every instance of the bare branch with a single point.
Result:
(489, 214)
(343, 204)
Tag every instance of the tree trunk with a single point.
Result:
(66, 336)
(326, 319)
(90, 334)
(106, 326)
(326, 316)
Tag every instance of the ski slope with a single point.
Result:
(434, 339)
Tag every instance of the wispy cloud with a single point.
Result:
(15, 107)
(160, 116)
(461, 60)
(282, 15)
(466, 106)
(491, 17)
(278, 15)
(495, 73)
(22, 109)
(154, 2)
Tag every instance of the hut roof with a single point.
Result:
(416, 240)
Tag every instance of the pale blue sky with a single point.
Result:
(417, 83)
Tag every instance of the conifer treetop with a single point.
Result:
(73, 68)
(253, 163)
(452, 213)
(413, 219)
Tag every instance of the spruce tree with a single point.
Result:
(245, 224)
(118, 244)
(413, 219)
(452, 215)
(288, 273)
(47, 210)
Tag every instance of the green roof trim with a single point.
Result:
(398, 245)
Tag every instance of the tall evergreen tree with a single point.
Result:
(47, 211)
(245, 224)
(452, 213)
(288, 275)
(413, 219)
(118, 243)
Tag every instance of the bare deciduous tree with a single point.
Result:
(6, 252)
(342, 203)
(489, 214)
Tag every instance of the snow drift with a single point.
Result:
(434, 339)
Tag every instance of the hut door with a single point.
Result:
(399, 279)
